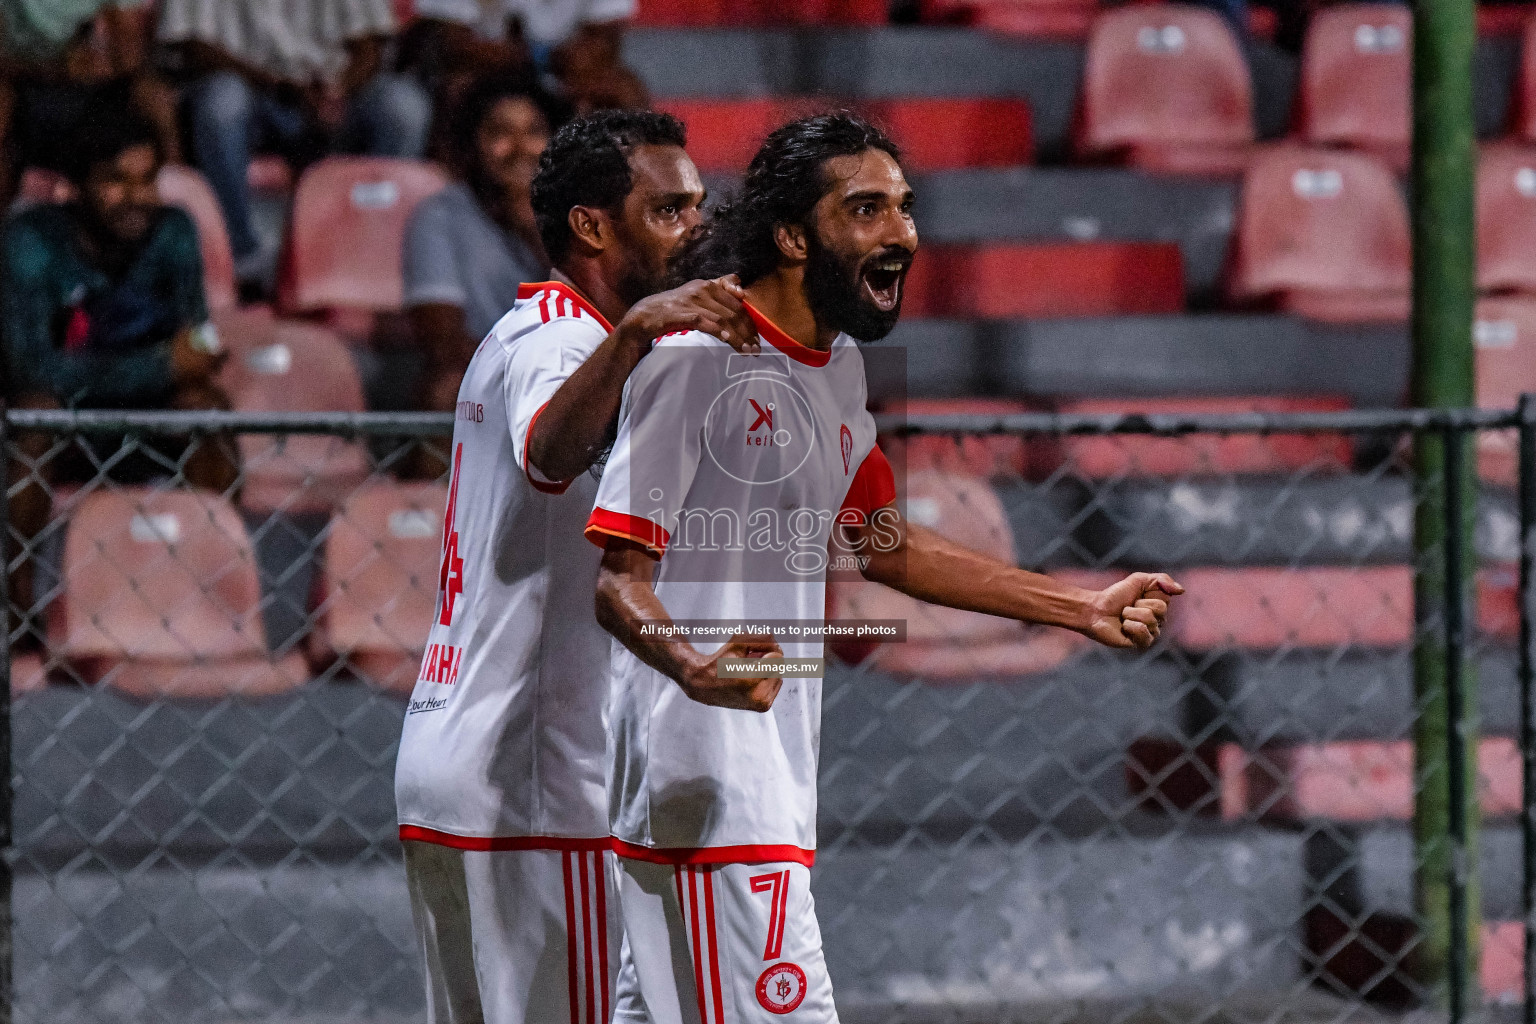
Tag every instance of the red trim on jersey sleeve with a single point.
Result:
(539, 485)
(419, 834)
(716, 854)
(559, 290)
(604, 523)
(776, 337)
(873, 486)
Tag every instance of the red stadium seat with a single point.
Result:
(1273, 609)
(979, 456)
(161, 599)
(1322, 234)
(1506, 219)
(28, 673)
(1356, 780)
(348, 228)
(723, 135)
(1355, 80)
(937, 134)
(1504, 334)
(1104, 456)
(380, 580)
(1502, 964)
(269, 173)
(1523, 103)
(1166, 88)
(186, 188)
(293, 366)
(1032, 19)
(680, 13)
(1005, 281)
(1507, 20)
(760, 13)
(945, 644)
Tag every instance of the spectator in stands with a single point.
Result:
(468, 248)
(299, 78)
(60, 61)
(101, 305)
(579, 41)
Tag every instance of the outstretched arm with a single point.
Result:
(581, 419)
(626, 602)
(922, 564)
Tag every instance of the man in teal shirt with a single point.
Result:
(101, 305)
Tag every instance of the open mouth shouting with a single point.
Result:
(882, 278)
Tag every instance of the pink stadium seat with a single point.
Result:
(28, 673)
(380, 580)
(1502, 968)
(723, 135)
(1166, 88)
(268, 172)
(1504, 334)
(1005, 281)
(680, 13)
(1506, 219)
(938, 134)
(161, 599)
(184, 187)
(348, 227)
(1322, 234)
(1103, 456)
(978, 456)
(944, 644)
(1354, 780)
(760, 13)
(1355, 80)
(1272, 609)
(293, 366)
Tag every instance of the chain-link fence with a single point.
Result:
(215, 619)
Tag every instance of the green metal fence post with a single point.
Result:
(1445, 816)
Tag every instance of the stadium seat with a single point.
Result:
(1100, 457)
(268, 172)
(280, 365)
(42, 186)
(184, 187)
(945, 644)
(1507, 20)
(1009, 281)
(1506, 219)
(1522, 108)
(1504, 334)
(760, 13)
(28, 673)
(942, 134)
(1353, 780)
(974, 455)
(1269, 609)
(347, 231)
(1321, 234)
(723, 135)
(1355, 80)
(161, 599)
(1033, 19)
(380, 580)
(1166, 88)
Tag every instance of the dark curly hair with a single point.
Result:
(459, 141)
(784, 182)
(587, 164)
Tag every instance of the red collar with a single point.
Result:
(776, 337)
(564, 291)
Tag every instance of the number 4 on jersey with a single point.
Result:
(450, 578)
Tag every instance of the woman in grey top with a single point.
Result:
(469, 247)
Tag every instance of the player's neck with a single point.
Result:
(780, 296)
(590, 284)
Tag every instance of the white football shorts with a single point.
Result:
(514, 936)
(720, 944)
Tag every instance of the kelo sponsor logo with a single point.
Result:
(781, 988)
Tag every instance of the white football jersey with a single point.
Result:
(732, 469)
(505, 733)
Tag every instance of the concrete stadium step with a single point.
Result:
(1290, 521)
(312, 771)
(1046, 922)
(1384, 870)
(1149, 357)
(1046, 751)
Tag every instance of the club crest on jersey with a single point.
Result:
(845, 439)
(781, 988)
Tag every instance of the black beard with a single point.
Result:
(836, 300)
